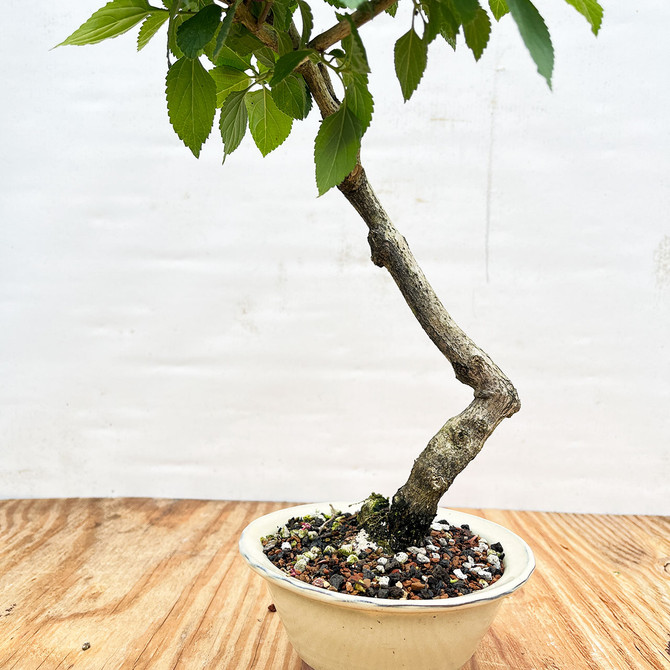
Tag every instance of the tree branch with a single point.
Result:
(341, 29)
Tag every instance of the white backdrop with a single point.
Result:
(171, 327)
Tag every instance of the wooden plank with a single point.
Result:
(158, 584)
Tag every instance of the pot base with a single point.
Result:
(334, 631)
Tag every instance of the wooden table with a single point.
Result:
(115, 584)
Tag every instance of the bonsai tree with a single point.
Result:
(261, 65)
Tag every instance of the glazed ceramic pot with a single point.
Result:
(335, 631)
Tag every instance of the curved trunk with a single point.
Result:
(461, 438)
(414, 505)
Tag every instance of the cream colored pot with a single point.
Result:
(334, 631)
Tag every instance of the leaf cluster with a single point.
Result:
(216, 64)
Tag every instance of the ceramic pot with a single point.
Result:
(335, 631)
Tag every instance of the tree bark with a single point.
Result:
(462, 437)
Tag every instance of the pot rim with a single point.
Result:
(519, 561)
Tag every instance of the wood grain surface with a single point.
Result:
(158, 584)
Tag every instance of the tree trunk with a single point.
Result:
(461, 438)
(414, 505)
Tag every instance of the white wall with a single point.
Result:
(169, 327)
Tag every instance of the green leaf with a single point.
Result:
(115, 18)
(359, 99)
(353, 4)
(266, 56)
(233, 121)
(224, 30)
(150, 27)
(465, 10)
(287, 63)
(498, 8)
(173, 26)
(535, 35)
(392, 9)
(292, 97)
(269, 126)
(242, 41)
(336, 148)
(282, 13)
(284, 43)
(193, 34)
(410, 62)
(191, 100)
(591, 10)
(227, 80)
(307, 22)
(477, 33)
(449, 25)
(435, 12)
(229, 58)
(357, 59)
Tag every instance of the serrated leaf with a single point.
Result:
(292, 97)
(287, 63)
(191, 99)
(284, 43)
(356, 58)
(410, 55)
(336, 148)
(224, 30)
(193, 34)
(150, 27)
(173, 26)
(269, 126)
(266, 56)
(307, 22)
(115, 18)
(227, 80)
(465, 10)
(477, 33)
(233, 121)
(434, 11)
(242, 41)
(282, 12)
(392, 9)
(591, 10)
(227, 57)
(359, 99)
(449, 25)
(535, 35)
(498, 8)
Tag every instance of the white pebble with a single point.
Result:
(431, 547)
(422, 558)
(286, 546)
(401, 557)
(382, 560)
(435, 555)
(383, 581)
(459, 574)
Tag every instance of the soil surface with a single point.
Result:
(330, 551)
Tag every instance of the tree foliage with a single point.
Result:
(218, 61)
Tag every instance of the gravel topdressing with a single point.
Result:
(333, 553)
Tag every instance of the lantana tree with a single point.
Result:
(259, 66)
